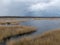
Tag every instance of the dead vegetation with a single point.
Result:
(48, 38)
(11, 21)
(46, 18)
(6, 31)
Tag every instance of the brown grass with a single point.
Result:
(11, 21)
(6, 31)
(46, 18)
(48, 38)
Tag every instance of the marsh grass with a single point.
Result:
(46, 18)
(48, 38)
(11, 21)
(7, 31)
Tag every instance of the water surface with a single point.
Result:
(42, 25)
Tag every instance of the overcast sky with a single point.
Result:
(30, 8)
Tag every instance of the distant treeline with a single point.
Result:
(25, 17)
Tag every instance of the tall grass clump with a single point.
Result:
(7, 31)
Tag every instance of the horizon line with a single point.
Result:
(25, 17)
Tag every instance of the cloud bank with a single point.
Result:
(30, 8)
(51, 8)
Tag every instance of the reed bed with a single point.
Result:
(46, 18)
(7, 31)
(11, 21)
(48, 38)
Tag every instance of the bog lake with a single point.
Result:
(41, 25)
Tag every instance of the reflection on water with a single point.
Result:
(42, 25)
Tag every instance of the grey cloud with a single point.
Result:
(21, 8)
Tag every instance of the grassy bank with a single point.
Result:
(46, 18)
(6, 31)
(11, 21)
(48, 38)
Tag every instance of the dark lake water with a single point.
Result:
(42, 25)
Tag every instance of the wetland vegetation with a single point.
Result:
(13, 30)
(11, 21)
(7, 31)
(48, 38)
(11, 27)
